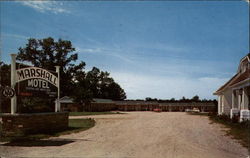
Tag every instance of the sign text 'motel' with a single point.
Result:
(35, 72)
(38, 83)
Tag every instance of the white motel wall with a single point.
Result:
(234, 96)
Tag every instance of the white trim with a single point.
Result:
(241, 82)
(226, 87)
(219, 105)
(246, 57)
(243, 99)
(233, 112)
(233, 99)
(239, 101)
(222, 104)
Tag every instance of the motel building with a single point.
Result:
(234, 95)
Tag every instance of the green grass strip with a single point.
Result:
(75, 125)
(92, 113)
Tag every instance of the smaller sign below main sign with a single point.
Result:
(36, 87)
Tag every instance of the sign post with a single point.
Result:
(58, 106)
(13, 82)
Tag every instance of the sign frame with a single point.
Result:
(19, 75)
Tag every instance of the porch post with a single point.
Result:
(239, 101)
(235, 110)
(233, 95)
(219, 104)
(243, 99)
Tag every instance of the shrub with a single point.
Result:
(245, 124)
(235, 119)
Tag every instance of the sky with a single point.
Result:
(158, 49)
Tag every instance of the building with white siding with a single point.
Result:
(234, 95)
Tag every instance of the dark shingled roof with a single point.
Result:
(100, 100)
(66, 99)
(241, 77)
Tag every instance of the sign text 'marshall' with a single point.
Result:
(35, 72)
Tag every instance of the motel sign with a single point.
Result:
(34, 81)
(36, 73)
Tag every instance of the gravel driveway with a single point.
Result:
(138, 134)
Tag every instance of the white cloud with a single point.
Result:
(88, 50)
(46, 6)
(15, 36)
(112, 52)
(142, 86)
(167, 48)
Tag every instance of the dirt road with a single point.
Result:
(138, 134)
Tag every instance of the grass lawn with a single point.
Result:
(75, 125)
(239, 131)
(92, 113)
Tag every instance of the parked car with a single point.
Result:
(188, 110)
(157, 110)
(195, 110)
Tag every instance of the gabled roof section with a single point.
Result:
(245, 75)
(66, 99)
(237, 78)
(247, 57)
(226, 84)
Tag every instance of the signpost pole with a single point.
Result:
(13, 82)
(58, 106)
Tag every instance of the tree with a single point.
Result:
(4, 81)
(5, 74)
(148, 99)
(115, 92)
(205, 100)
(48, 53)
(93, 79)
(172, 99)
(196, 98)
(82, 92)
(183, 99)
(103, 86)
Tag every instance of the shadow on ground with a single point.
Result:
(42, 143)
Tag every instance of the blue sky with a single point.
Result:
(159, 49)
